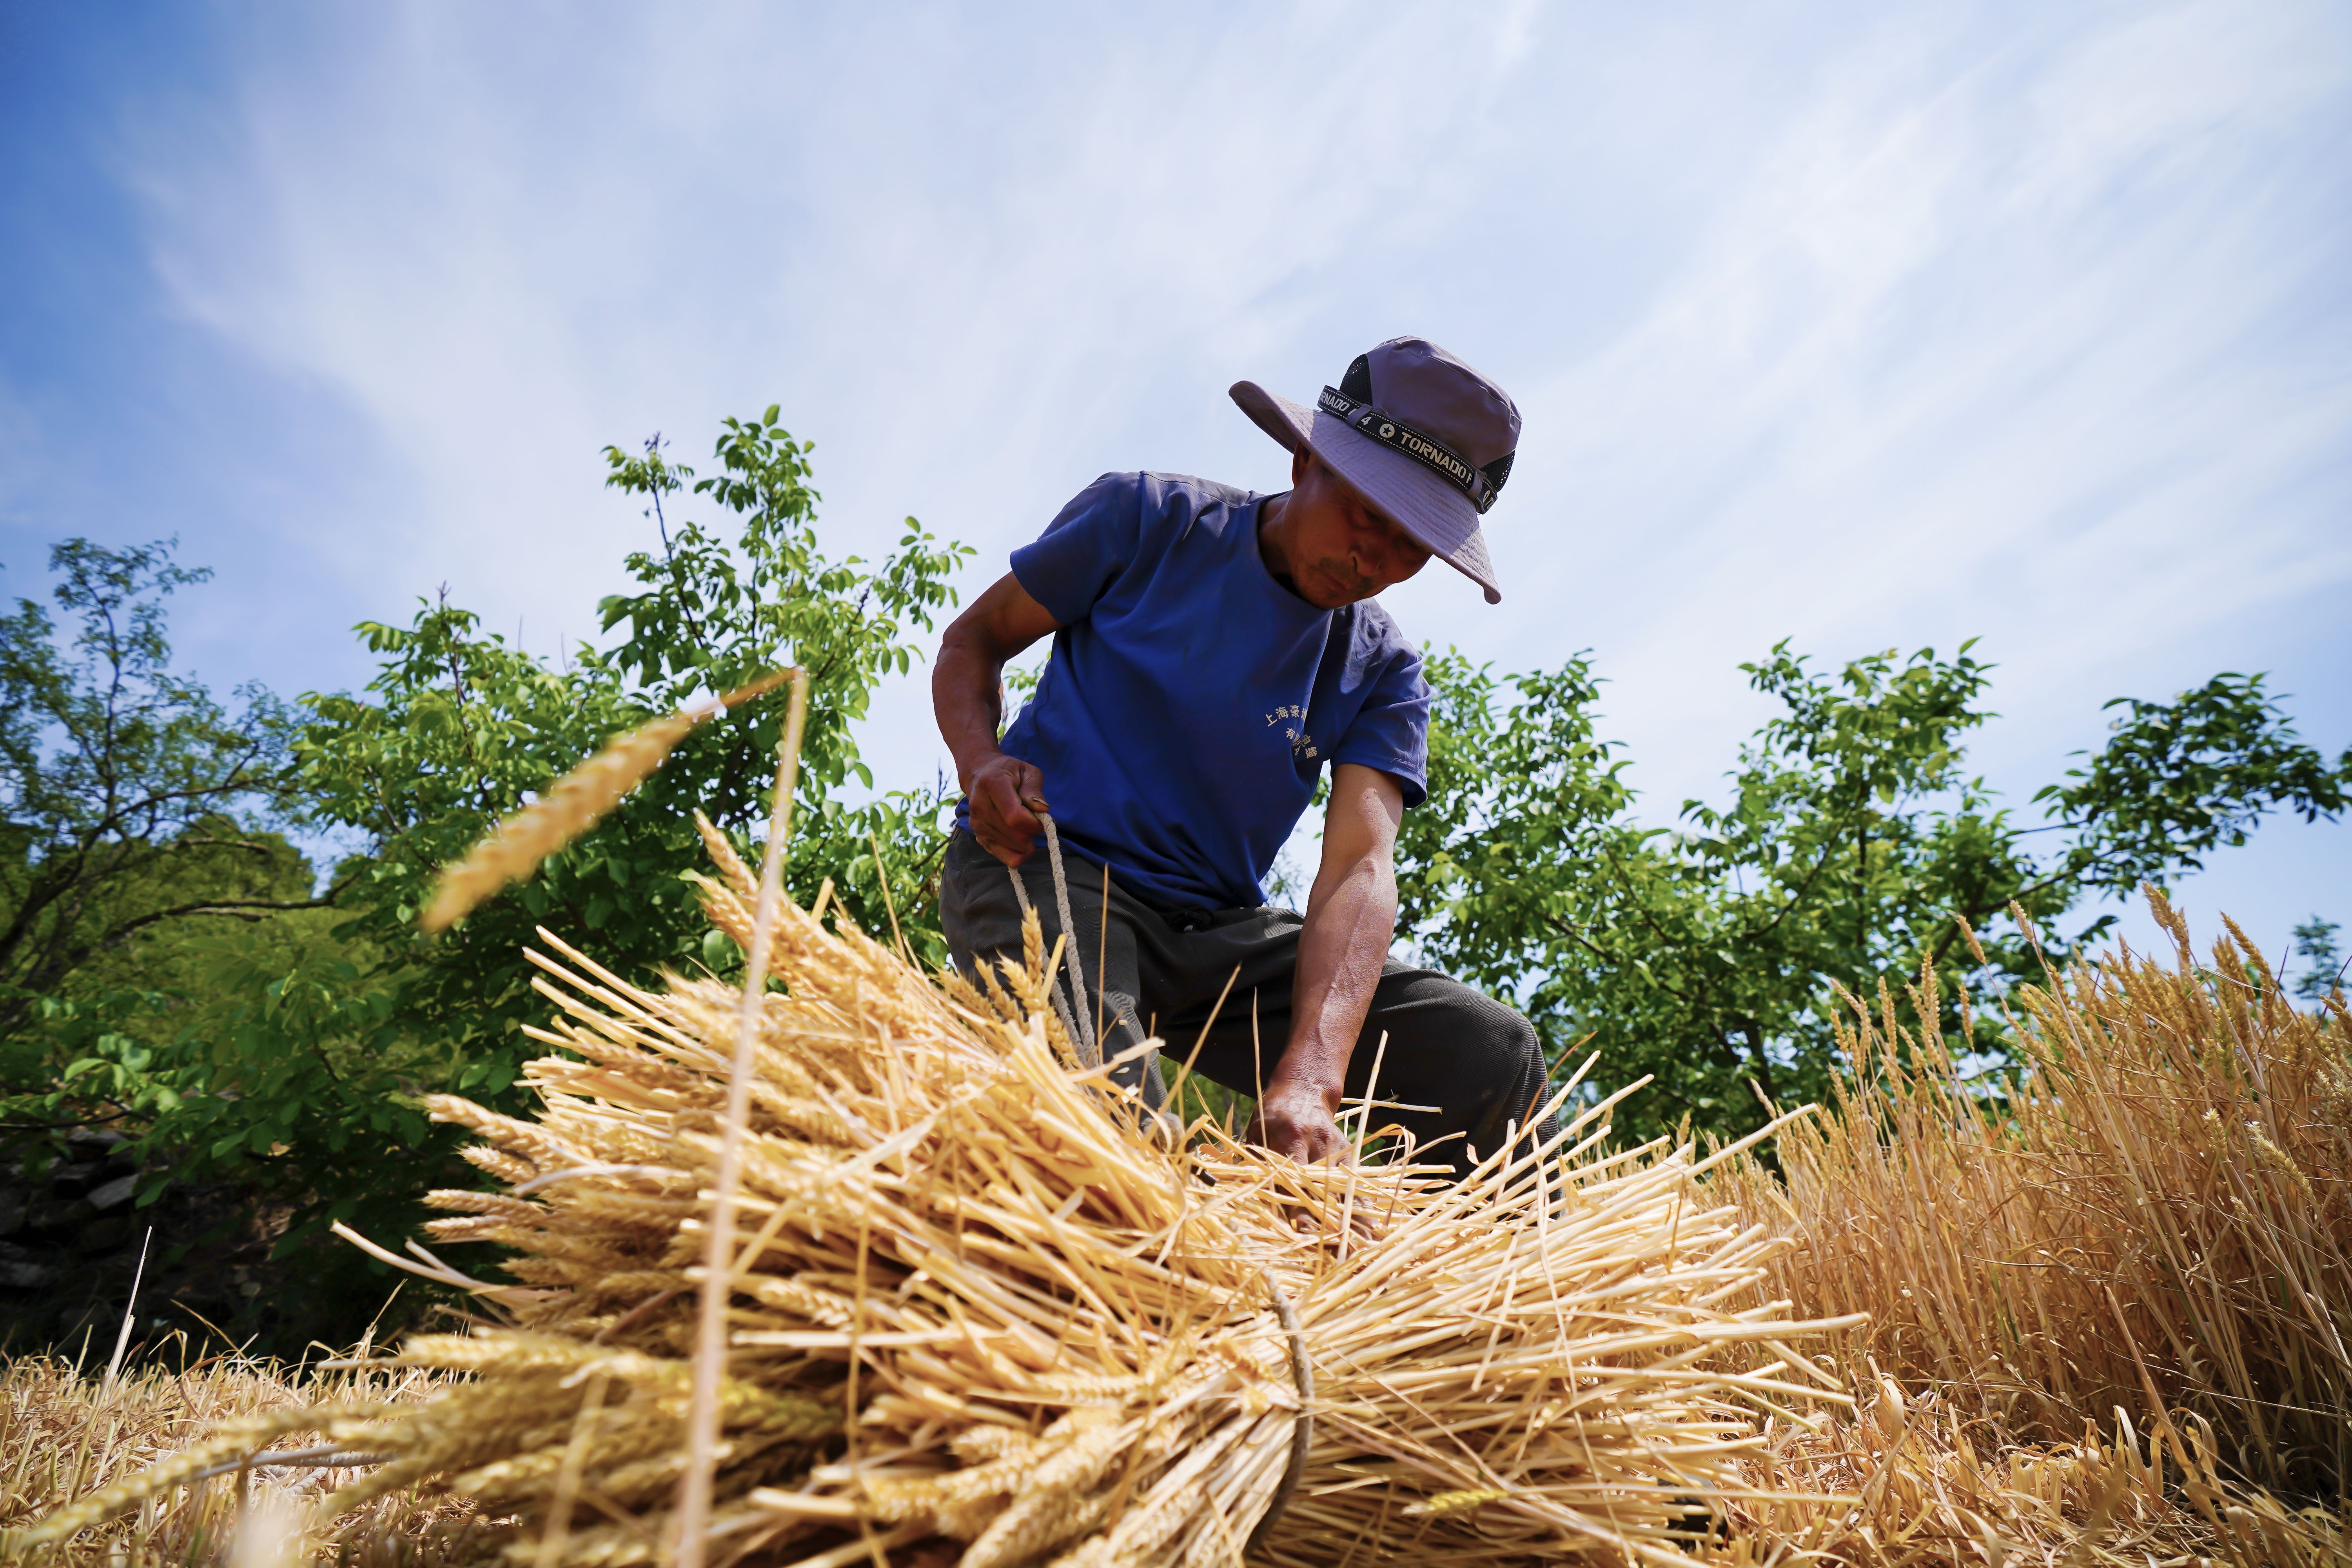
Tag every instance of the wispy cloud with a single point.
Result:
(1865, 325)
(966, 262)
(2002, 337)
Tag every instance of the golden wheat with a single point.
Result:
(981, 1315)
(1916, 1483)
(62, 1435)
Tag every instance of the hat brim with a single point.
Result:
(1414, 496)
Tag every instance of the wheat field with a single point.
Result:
(2108, 1301)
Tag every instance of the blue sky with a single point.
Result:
(1866, 325)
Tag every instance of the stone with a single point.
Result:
(12, 1212)
(115, 1193)
(26, 1276)
(75, 1180)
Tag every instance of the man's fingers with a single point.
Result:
(1001, 823)
(1019, 813)
(1311, 1143)
(1329, 1142)
(1306, 1142)
(1292, 1145)
(1029, 798)
(1005, 847)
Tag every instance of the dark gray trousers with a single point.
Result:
(1471, 1060)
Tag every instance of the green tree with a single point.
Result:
(133, 806)
(291, 1058)
(458, 730)
(2323, 960)
(1706, 952)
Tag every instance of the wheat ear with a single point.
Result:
(571, 806)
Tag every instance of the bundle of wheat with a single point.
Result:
(978, 1310)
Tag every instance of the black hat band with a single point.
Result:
(1481, 485)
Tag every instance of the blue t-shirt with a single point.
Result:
(1191, 701)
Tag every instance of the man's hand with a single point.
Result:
(1001, 791)
(1295, 1119)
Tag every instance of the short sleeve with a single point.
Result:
(1391, 731)
(1083, 550)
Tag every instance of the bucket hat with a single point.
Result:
(1425, 439)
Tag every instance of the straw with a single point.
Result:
(710, 1337)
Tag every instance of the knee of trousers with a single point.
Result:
(1475, 1055)
(1510, 1073)
(1518, 1042)
(1506, 1046)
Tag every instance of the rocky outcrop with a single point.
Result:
(71, 1230)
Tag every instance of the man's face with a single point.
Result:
(1337, 547)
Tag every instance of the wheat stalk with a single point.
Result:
(2154, 1213)
(1047, 1333)
(718, 1255)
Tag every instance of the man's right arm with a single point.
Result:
(967, 698)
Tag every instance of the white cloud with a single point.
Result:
(1977, 349)
(1865, 326)
(967, 282)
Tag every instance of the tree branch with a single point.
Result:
(1829, 847)
(227, 906)
(1587, 943)
(220, 844)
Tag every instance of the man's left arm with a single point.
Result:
(1350, 917)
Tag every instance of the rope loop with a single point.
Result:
(1080, 1028)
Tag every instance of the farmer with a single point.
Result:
(1214, 650)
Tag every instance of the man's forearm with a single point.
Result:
(1350, 917)
(968, 700)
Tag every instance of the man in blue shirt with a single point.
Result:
(1213, 651)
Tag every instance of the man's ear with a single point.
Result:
(1300, 461)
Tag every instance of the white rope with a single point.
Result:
(1081, 1028)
